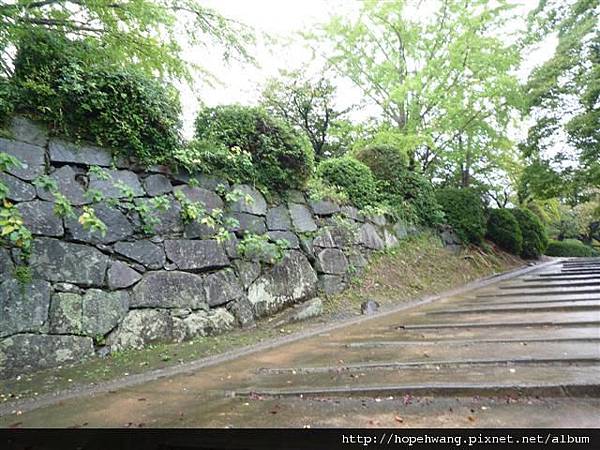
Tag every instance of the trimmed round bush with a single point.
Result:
(503, 229)
(351, 176)
(385, 161)
(535, 239)
(282, 158)
(570, 247)
(465, 212)
(57, 81)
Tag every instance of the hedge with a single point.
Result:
(465, 212)
(535, 239)
(503, 229)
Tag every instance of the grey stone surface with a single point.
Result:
(344, 236)
(66, 152)
(401, 230)
(288, 236)
(30, 156)
(6, 264)
(278, 219)
(307, 310)
(39, 218)
(67, 287)
(241, 309)
(141, 327)
(66, 179)
(389, 239)
(248, 223)
(196, 255)
(231, 246)
(379, 220)
(211, 182)
(357, 260)
(324, 207)
(302, 218)
(169, 290)
(257, 205)
(18, 190)
(247, 271)
(208, 199)
(157, 185)
(222, 287)
(65, 313)
(121, 276)
(197, 230)
(353, 213)
(54, 260)
(205, 323)
(101, 311)
(289, 281)
(331, 284)
(118, 227)
(110, 187)
(169, 221)
(324, 239)
(23, 306)
(369, 237)
(332, 261)
(25, 130)
(144, 252)
(449, 237)
(295, 196)
(29, 352)
(369, 307)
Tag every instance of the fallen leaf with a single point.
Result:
(399, 419)
(471, 419)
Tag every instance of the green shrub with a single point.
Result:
(503, 229)
(6, 100)
(465, 212)
(570, 247)
(535, 239)
(56, 81)
(281, 157)
(385, 161)
(351, 176)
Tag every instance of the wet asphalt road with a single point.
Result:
(519, 352)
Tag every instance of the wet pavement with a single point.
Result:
(523, 351)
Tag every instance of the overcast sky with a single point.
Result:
(284, 19)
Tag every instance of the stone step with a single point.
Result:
(529, 302)
(462, 342)
(550, 284)
(541, 307)
(545, 292)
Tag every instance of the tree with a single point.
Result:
(140, 32)
(308, 105)
(444, 85)
(563, 145)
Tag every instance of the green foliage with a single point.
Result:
(570, 248)
(13, 231)
(535, 239)
(46, 183)
(320, 190)
(6, 100)
(385, 161)
(257, 247)
(62, 206)
(22, 274)
(309, 106)
(352, 177)
(503, 229)
(280, 157)
(91, 222)
(114, 107)
(465, 212)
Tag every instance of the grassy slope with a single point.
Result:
(418, 266)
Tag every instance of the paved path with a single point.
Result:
(519, 352)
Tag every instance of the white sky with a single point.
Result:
(284, 19)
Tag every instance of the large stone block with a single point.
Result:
(302, 218)
(169, 221)
(118, 227)
(29, 352)
(169, 290)
(39, 218)
(66, 179)
(23, 306)
(121, 276)
(18, 190)
(222, 287)
(290, 238)
(324, 207)
(369, 237)
(25, 130)
(118, 182)
(142, 327)
(278, 219)
(332, 261)
(247, 271)
(55, 260)
(6, 263)
(144, 252)
(30, 156)
(289, 281)
(257, 204)
(331, 284)
(243, 312)
(102, 311)
(324, 239)
(89, 155)
(389, 239)
(208, 199)
(65, 313)
(248, 223)
(205, 323)
(196, 255)
(157, 185)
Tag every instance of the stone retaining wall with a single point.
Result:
(92, 293)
